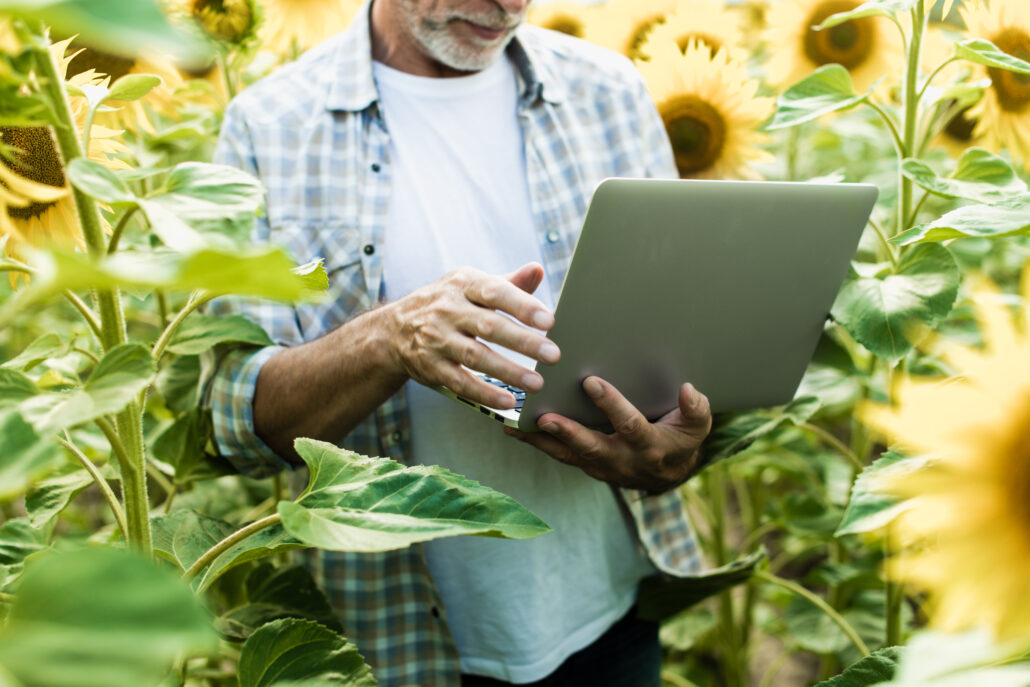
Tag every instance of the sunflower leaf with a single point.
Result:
(293, 649)
(873, 8)
(869, 670)
(46, 346)
(869, 509)
(133, 86)
(26, 456)
(878, 310)
(984, 52)
(998, 220)
(95, 180)
(827, 89)
(387, 506)
(980, 176)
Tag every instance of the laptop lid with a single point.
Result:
(725, 284)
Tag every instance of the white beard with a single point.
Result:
(438, 42)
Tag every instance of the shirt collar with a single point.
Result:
(352, 87)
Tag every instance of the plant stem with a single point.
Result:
(162, 307)
(88, 353)
(223, 63)
(196, 300)
(105, 488)
(119, 229)
(834, 442)
(911, 114)
(899, 145)
(933, 75)
(774, 669)
(732, 664)
(886, 244)
(6, 598)
(88, 315)
(676, 680)
(818, 603)
(227, 543)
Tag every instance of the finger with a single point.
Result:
(564, 453)
(528, 277)
(473, 388)
(627, 421)
(477, 356)
(497, 293)
(496, 328)
(591, 445)
(695, 411)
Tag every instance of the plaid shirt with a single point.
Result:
(313, 134)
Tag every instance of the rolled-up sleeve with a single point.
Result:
(229, 374)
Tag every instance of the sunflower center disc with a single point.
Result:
(697, 132)
(684, 41)
(960, 127)
(1012, 89)
(848, 44)
(566, 24)
(226, 20)
(105, 63)
(40, 163)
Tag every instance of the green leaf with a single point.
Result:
(95, 180)
(879, 310)
(934, 659)
(200, 333)
(183, 446)
(659, 598)
(255, 271)
(115, 26)
(25, 456)
(183, 536)
(980, 176)
(292, 649)
(133, 86)
(869, 508)
(313, 276)
(984, 52)
(15, 387)
(828, 89)
(1008, 218)
(873, 8)
(276, 593)
(732, 433)
(46, 346)
(869, 670)
(123, 372)
(210, 197)
(98, 618)
(47, 499)
(173, 231)
(178, 383)
(357, 503)
(19, 540)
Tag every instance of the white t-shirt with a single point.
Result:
(516, 609)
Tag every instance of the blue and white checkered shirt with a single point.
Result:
(313, 134)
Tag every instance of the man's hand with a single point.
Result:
(638, 455)
(434, 330)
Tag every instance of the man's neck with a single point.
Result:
(394, 46)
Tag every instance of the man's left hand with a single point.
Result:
(654, 457)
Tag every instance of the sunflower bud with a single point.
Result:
(232, 21)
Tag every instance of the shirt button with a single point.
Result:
(369, 249)
(552, 236)
(376, 167)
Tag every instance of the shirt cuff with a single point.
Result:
(231, 399)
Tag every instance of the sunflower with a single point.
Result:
(42, 215)
(706, 21)
(1004, 111)
(9, 43)
(132, 115)
(230, 21)
(965, 534)
(623, 25)
(868, 48)
(293, 26)
(710, 111)
(565, 17)
(957, 133)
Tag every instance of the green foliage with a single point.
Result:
(881, 310)
(660, 599)
(873, 8)
(1000, 220)
(25, 456)
(291, 650)
(201, 333)
(98, 618)
(827, 89)
(980, 176)
(869, 509)
(984, 52)
(870, 670)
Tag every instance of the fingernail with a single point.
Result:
(549, 353)
(593, 387)
(532, 381)
(549, 427)
(543, 320)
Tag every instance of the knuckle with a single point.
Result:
(472, 355)
(629, 425)
(486, 327)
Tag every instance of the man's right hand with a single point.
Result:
(434, 331)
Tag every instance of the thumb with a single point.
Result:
(695, 411)
(528, 277)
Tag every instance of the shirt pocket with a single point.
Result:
(338, 244)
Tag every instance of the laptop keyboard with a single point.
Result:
(519, 394)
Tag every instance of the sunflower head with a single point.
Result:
(965, 531)
(232, 21)
(709, 109)
(292, 26)
(563, 17)
(707, 22)
(624, 25)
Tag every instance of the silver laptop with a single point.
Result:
(724, 284)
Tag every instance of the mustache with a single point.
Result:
(496, 19)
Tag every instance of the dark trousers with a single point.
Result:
(627, 655)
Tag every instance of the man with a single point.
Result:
(433, 135)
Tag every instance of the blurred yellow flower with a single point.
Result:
(965, 533)
(707, 21)
(49, 215)
(9, 43)
(710, 111)
(868, 48)
(957, 133)
(624, 25)
(1004, 111)
(565, 17)
(292, 26)
(232, 21)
